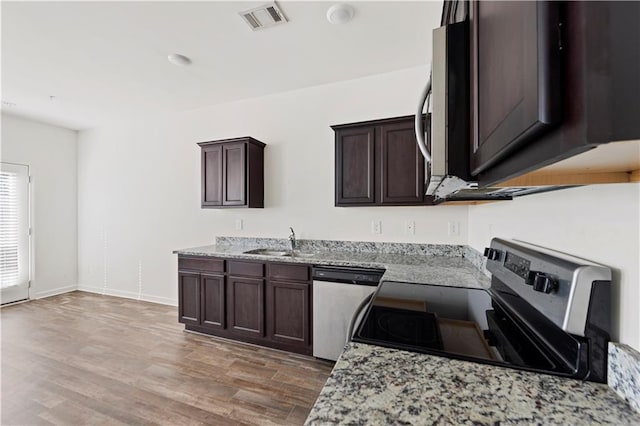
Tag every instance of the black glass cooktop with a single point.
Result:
(463, 323)
(405, 327)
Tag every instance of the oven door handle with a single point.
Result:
(356, 314)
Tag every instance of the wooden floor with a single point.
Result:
(86, 359)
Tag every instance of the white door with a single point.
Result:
(14, 233)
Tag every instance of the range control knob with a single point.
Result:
(492, 254)
(544, 283)
(531, 276)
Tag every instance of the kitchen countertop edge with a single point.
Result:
(454, 271)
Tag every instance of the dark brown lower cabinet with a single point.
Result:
(288, 312)
(201, 299)
(212, 303)
(266, 304)
(245, 302)
(189, 298)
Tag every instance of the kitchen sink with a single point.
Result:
(268, 252)
(298, 254)
(278, 253)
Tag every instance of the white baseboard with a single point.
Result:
(54, 292)
(128, 295)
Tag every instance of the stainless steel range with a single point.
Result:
(545, 311)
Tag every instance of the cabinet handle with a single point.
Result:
(419, 122)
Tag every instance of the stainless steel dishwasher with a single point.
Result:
(337, 294)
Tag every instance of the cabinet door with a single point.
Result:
(234, 174)
(212, 175)
(516, 74)
(189, 298)
(355, 166)
(245, 304)
(212, 295)
(288, 312)
(402, 176)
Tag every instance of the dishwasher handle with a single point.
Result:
(356, 314)
(348, 275)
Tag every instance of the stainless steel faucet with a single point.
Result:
(292, 239)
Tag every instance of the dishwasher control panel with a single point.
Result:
(348, 275)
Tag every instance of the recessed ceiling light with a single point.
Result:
(178, 59)
(340, 13)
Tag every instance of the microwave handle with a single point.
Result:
(419, 122)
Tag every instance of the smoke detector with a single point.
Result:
(265, 16)
(340, 14)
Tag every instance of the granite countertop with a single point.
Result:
(376, 385)
(438, 268)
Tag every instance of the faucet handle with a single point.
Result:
(292, 233)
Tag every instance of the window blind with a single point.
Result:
(9, 229)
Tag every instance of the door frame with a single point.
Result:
(30, 245)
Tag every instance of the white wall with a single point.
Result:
(599, 223)
(51, 154)
(139, 183)
(139, 194)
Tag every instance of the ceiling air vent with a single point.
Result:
(265, 16)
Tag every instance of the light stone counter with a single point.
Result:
(380, 386)
(441, 265)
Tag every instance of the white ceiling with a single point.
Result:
(104, 61)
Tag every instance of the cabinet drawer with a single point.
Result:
(201, 264)
(283, 271)
(247, 269)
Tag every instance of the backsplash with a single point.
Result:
(477, 259)
(624, 373)
(409, 249)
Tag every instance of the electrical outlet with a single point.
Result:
(454, 229)
(238, 224)
(376, 227)
(410, 227)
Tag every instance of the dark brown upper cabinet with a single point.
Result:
(355, 165)
(550, 81)
(233, 173)
(402, 164)
(516, 74)
(378, 163)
